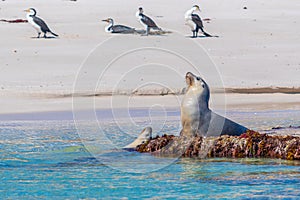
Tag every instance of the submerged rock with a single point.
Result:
(250, 144)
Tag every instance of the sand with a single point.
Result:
(257, 47)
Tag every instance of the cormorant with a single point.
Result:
(146, 21)
(111, 28)
(194, 21)
(38, 23)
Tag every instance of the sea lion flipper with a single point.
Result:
(144, 136)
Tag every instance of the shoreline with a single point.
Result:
(154, 92)
(231, 101)
(19, 105)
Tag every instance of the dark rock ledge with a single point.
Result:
(249, 145)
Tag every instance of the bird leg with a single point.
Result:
(193, 34)
(147, 31)
(39, 33)
(45, 35)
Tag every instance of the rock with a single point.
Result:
(248, 145)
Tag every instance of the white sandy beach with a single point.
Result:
(257, 47)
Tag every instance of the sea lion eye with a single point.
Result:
(198, 79)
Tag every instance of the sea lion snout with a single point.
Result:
(192, 79)
(189, 78)
(189, 75)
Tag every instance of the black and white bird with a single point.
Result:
(194, 21)
(111, 28)
(38, 23)
(146, 21)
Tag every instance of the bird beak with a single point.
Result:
(199, 9)
(27, 10)
(105, 20)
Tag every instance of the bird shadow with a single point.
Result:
(48, 37)
(153, 33)
(202, 36)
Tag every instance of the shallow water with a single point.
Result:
(48, 159)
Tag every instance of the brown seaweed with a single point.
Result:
(248, 145)
(14, 20)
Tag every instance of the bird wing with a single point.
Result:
(148, 21)
(41, 23)
(197, 20)
(121, 29)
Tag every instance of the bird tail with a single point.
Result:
(54, 34)
(206, 34)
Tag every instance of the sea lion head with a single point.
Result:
(198, 86)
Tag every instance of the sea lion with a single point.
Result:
(196, 117)
(144, 136)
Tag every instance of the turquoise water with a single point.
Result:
(47, 159)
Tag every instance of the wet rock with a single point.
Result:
(248, 145)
